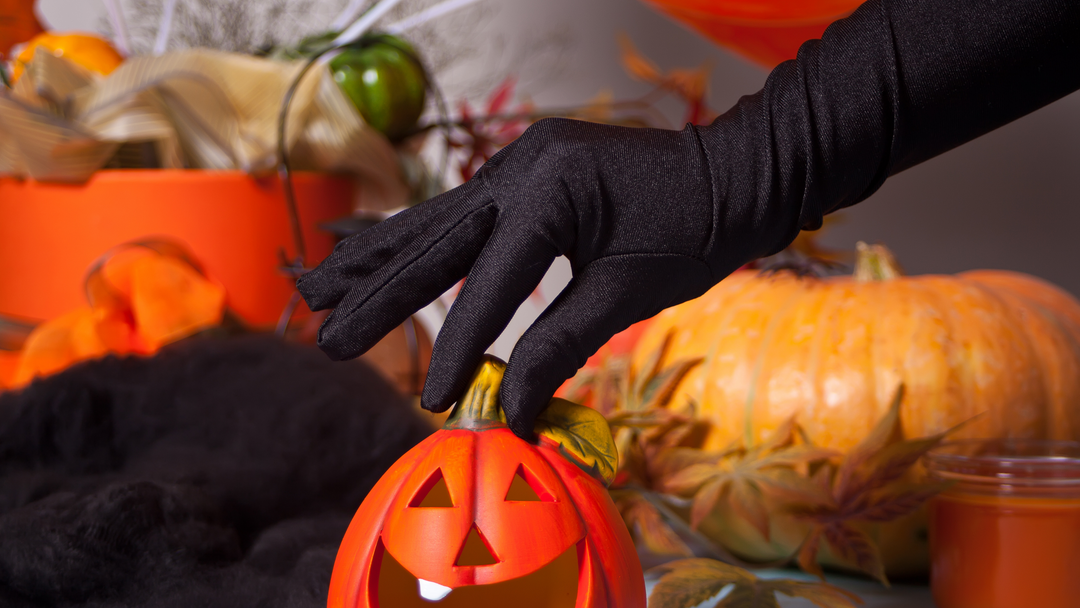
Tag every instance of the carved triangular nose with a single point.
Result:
(475, 550)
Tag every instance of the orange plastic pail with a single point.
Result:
(765, 31)
(51, 233)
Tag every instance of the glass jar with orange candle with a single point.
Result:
(1006, 532)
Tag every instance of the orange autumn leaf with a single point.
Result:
(170, 300)
(141, 297)
(689, 84)
(636, 64)
(59, 343)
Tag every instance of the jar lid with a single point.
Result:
(1014, 462)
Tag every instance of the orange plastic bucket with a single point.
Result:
(765, 31)
(234, 224)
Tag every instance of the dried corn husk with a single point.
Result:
(199, 108)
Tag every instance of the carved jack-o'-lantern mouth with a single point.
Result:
(553, 585)
(474, 516)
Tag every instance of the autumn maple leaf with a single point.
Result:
(747, 479)
(689, 582)
(691, 85)
(865, 488)
(648, 525)
(636, 407)
(480, 136)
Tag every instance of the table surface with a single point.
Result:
(873, 594)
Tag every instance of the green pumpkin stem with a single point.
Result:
(875, 263)
(581, 434)
(479, 407)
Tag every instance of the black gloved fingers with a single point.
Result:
(509, 269)
(606, 297)
(389, 245)
(377, 304)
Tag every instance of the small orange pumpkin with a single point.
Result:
(474, 516)
(87, 50)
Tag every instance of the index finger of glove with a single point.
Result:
(607, 296)
(388, 246)
(412, 275)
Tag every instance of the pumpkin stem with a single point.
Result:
(875, 263)
(479, 407)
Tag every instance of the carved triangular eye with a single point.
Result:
(433, 493)
(527, 488)
(475, 550)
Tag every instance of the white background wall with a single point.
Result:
(1009, 200)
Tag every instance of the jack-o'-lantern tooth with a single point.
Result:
(432, 592)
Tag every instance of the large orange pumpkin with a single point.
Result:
(1002, 346)
(1001, 349)
(474, 516)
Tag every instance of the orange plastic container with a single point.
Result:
(235, 225)
(765, 31)
(1006, 534)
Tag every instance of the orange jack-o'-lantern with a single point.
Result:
(474, 516)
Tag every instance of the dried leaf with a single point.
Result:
(651, 368)
(501, 96)
(671, 461)
(860, 491)
(744, 478)
(636, 64)
(820, 594)
(658, 392)
(692, 478)
(808, 552)
(788, 486)
(648, 525)
(884, 432)
(894, 506)
(598, 108)
(855, 547)
(892, 462)
(583, 433)
(705, 501)
(689, 582)
(745, 500)
(783, 436)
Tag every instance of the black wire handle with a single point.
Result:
(295, 267)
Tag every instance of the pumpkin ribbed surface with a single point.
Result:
(1002, 346)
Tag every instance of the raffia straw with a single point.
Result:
(119, 25)
(432, 12)
(161, 42)
(347, 16)
(364, 23)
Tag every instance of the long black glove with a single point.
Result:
(650, 218)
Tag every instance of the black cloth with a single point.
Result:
(218, 473)
(650, 218)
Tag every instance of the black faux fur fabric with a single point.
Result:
(221, 472)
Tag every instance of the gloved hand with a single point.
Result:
(634, 210)
(650, 218)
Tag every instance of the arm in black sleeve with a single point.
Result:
(649, 218)
(896, 83)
